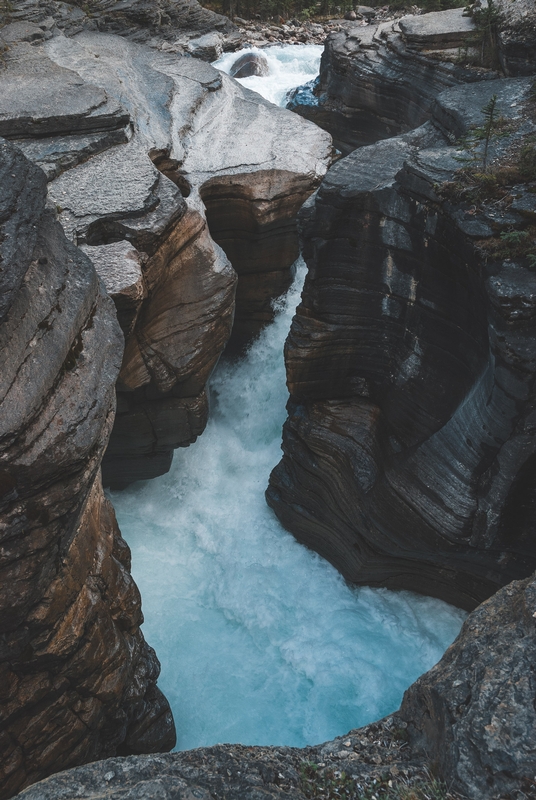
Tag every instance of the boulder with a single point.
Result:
(439, 30)
(208, 47)
(473, 714)
(516, 36)
(249, 64)
(79, 681)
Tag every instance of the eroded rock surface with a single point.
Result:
(473, 714)
(167, 159)
(152, 21)
(78, 679)
(381, 80)
(410, 363)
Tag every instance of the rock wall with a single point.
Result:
(150, 21)
(153, 161)
(410, 363)
(378, 81)
(473, 714)
(78, 679)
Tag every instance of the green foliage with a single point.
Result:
(518, 245)
(514, 238)
(487, 20)
(527, 160)
(478, 138)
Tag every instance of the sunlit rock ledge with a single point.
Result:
(145, 148)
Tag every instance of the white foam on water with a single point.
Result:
(261, 641)
(289, 65)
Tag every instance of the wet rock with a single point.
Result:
(409, 443)
(79, 681)
(249, 64)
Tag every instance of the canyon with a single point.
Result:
(134, 173)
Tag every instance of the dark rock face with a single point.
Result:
(410, 363)
(249, 64)
(253, 218)
(473, 713)
(78, 679)
(381, 80)
(517, 36)
(138, 19)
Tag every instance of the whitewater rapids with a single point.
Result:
(261, 641)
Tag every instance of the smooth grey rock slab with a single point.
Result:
(58, 153)
(438, 29)
(40, 98)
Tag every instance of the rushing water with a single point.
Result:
(261, 641)
(289, 66)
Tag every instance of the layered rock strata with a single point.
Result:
(142, 149)
(78, 680)
(379, 81)
(471, 719)
(152, 21)
(409, 447)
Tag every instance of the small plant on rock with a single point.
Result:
(476, 142)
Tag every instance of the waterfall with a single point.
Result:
(261, 641)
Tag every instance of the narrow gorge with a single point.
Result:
(152, 212)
